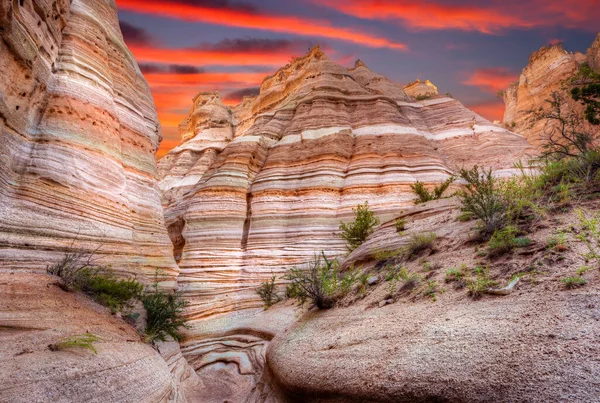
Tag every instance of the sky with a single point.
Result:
(468, 48)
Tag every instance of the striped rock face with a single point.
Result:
(253, 192)
(79, 132)
(546, 72)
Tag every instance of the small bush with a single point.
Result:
(356, 232)
(482, 198)
(418, 243)
(431, 289)
(109, 291)
(321, 282)
(480, 283)
(465, 216)
(72, 269)
(456, 275)
(502, 241)
(85, 341)
(558, 241)
(582, 270)
(268, 292)
(424, 195)
(396, 274)
(574, 282)
(400, 225)
(164, 314)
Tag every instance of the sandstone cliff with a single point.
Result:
(77, 173)
(79, 131)
(546, 72)
(264, 187)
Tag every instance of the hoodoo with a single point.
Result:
(257, 189)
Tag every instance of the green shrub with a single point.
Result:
(400, 225)
(268, 292)
(431, 289)
(398, 273)
(76, 272)
(356, 232)
(502, 241)
(109, 291)
(85, 341)
(465, 216)
(424, 195)
(72, 269)
(480, 283)
(418, 243)
(558, 241)
(164, 314)
(583, 269)
(456, 275)
(482, 198)
(321, 282)
(574, 282)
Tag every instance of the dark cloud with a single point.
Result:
(135, 35)
(244, 92)
(149, 68)
(258, 45)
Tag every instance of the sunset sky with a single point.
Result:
(469, 48)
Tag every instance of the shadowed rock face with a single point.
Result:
(546, 72)
(264, 187)
(79, 131)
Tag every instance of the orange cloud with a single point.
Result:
(209, 57)
(492, 110)
(487, 17)
(256, 20)
(492, 79)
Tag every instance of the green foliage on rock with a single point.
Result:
(356, 232)
(424, 195)
(268, 292)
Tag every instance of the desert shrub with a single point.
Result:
(479, 283)
(109, 291)
(77, 272)
(557, 241)
(164, 314)
(456, 274)
(502, 241)
(85, 341)
(574, 282)
(396, 274)
(424, 195)
(321, 282)
(400, 225)
(482, 198)
(268, 292)
(590, 233)
(356, 232)
(465, 216)
(430, 289)
(418, 243)
(582, 270)
(72, 269)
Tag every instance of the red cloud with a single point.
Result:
(255, 20)
(487, 17)
(492, 79)
(491, 110)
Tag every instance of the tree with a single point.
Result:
(587, 91)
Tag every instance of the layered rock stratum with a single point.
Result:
(255, 190)
(79, 132)
(77, 174)
(548, 70)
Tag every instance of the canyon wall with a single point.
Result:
(547, 71)
(253, 191)
(79, 132)
(77, 173)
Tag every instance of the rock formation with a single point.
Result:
(537, 344)
(264, 187)
(421, 89)
(546, 72)
(79, 132)
(77, 173)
